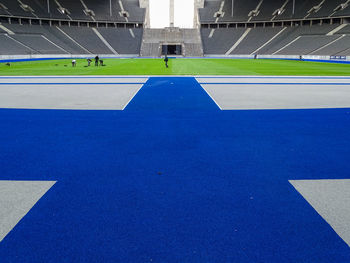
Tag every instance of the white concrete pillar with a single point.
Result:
(145, 4)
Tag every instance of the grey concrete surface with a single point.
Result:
(73, 79)
(272, 79)
(331, 199)
(281, 93)
(76, 93)
(17, 198)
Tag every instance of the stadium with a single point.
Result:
(175, 131)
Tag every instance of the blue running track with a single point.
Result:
(174, 179)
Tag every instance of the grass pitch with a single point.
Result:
(177, 67)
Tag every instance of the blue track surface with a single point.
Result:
(174, 179)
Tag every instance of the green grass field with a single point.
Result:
(177, 67)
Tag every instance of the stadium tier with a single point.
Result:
(75, 9)
(225, 37)
(267, 10)
(36, 39)
(240, 27)
(296, 40)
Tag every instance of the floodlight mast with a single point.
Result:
(172, 13)
(232, 6)
(293, 12)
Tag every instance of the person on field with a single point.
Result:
(89, 62)
(166, 59)
(74, 63)
(97, 59)
(101, 63)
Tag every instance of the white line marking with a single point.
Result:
(268, 42)
(104, 41)
(133, 96)
(44, 37)
(238, 41)
(287, 45)
(331, 33)
(69, 37)
(6, 29)
(217, 104)
(330, 43)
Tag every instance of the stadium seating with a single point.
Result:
(101, 10)
(39, 44)
(10, 47)
(268, 10)
(306, 45)
(296, 40)
(95, 27)
(255, 39)
(14, 8)
(65, 39)
(60, 39)
(220, 41)
(242, 8)
(76, 9)
(292, 33)
(338, 48)
(73, 40)
(124, 41)
(344, 30)
(136, 14)
(50, 34)
(207, 13)
(328, 8)
(301, 9)
(87, 38)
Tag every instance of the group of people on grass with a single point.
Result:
(98, 62)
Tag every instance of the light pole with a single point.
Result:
(172, 13)
(233, 4)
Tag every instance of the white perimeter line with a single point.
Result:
(75, 77)
(172, 76)
(271, 77)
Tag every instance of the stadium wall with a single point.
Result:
(294, 57)
(49, 57)
(17, 58)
